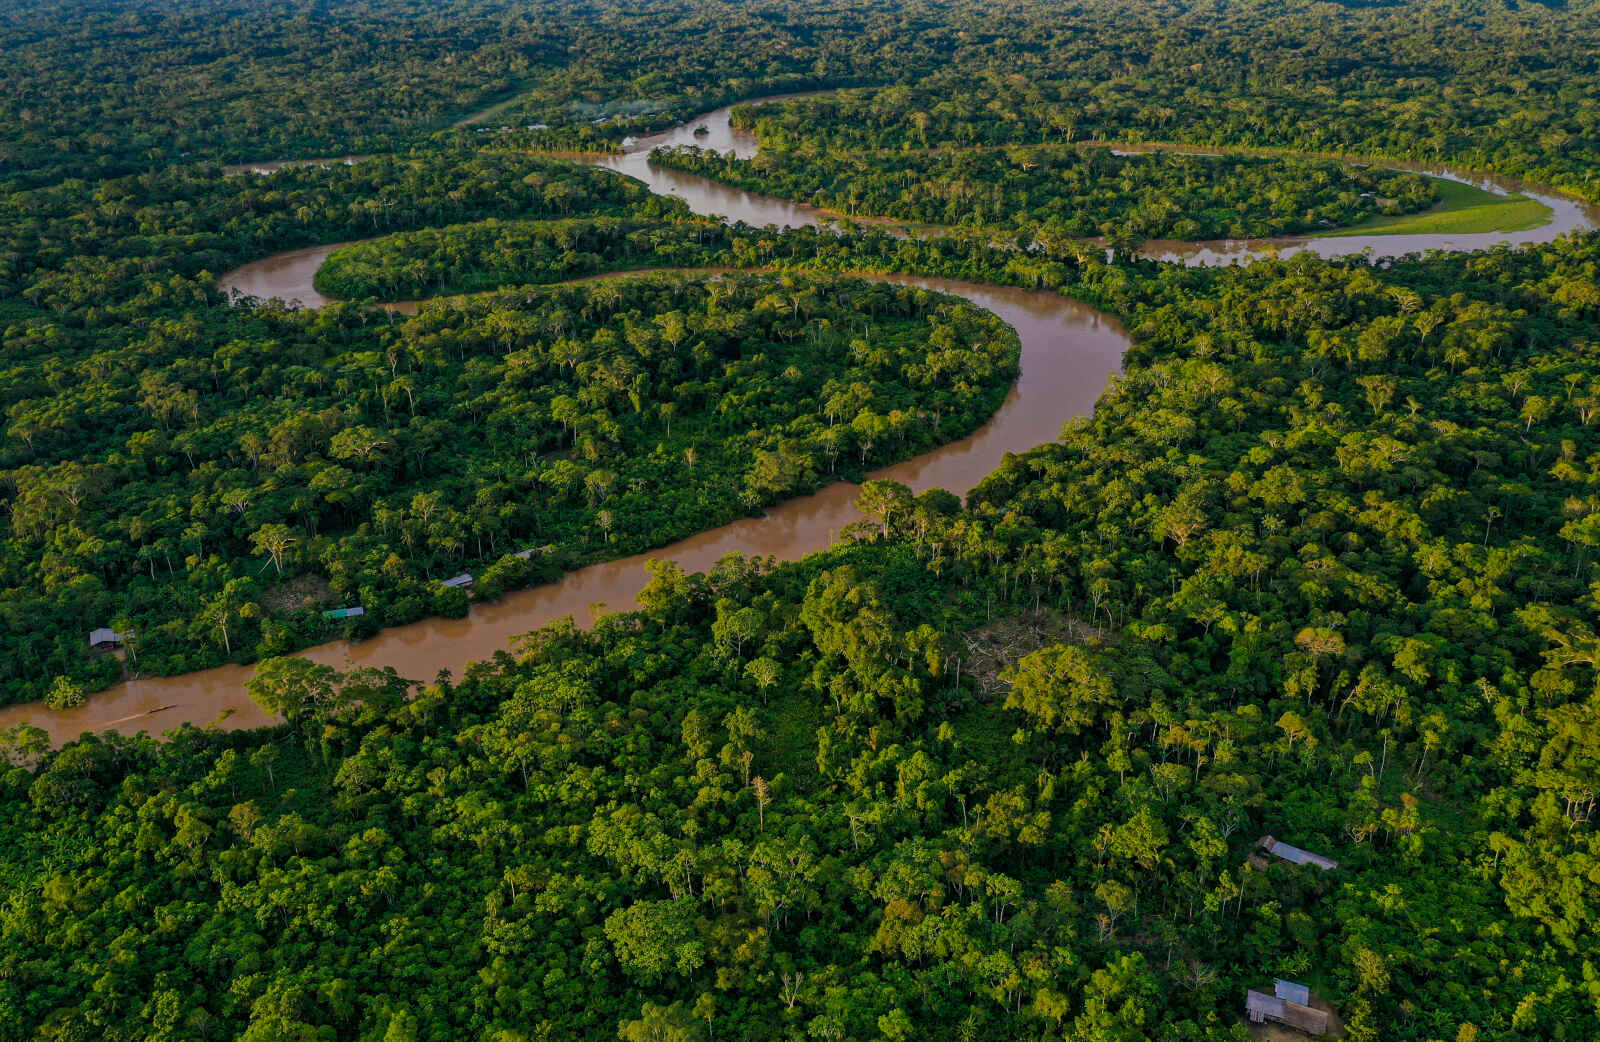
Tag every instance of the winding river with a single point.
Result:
(1069, 351)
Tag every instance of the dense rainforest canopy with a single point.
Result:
(1065, 192)
(110, 86)
(1324, 564)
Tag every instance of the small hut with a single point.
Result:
(345, 613)
(1294, 855)
(1261, 1007)
(1290, 1004)
(1289, 991)
(104, 639)
(459, 582)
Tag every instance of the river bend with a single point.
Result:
(1069, 351)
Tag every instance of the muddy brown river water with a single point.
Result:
(1069, 351)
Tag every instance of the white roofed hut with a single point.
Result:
(1289, 991)
(104, 639)
(1294, 855)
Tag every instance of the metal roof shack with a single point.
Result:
(530, 551)
(1289, 991)
(1295, 855)
(104, 637)
(459, 581)
(1260, 1007)
(345, 613)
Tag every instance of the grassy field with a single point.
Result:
(1461, 210)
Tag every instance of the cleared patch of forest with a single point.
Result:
(1461, 209)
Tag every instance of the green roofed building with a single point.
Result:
(344, 613)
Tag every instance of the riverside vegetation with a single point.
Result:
(1059, 193)
(614, 416)
(1339, 525)
(1322, 564)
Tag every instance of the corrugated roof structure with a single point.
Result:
(345, 613)
(1260, 1007)
(1297, 856)
(1292, 992)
